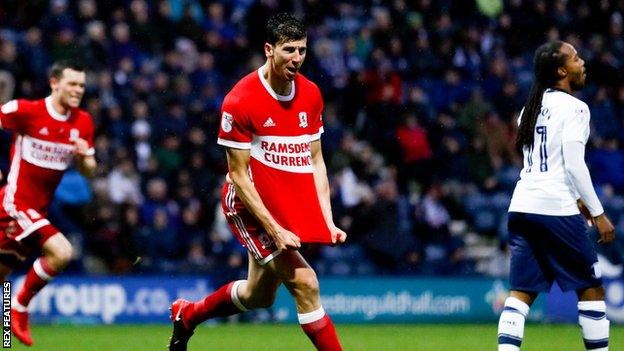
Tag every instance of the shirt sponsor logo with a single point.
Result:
(47, 154)
(292, 154)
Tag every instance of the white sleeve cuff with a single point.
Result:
(234, 144)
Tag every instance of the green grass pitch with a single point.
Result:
(421, 337)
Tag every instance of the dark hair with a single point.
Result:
(56, 71)
(284, 27)
(548, 58)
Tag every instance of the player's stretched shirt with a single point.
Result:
(42, 149)
(278, 131)
(544, 187)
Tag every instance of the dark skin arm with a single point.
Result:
(603, 224)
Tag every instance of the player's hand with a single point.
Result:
(81, 147)
(605, 228)
(338, 236)
(285, 239)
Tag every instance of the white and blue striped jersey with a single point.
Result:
(544, 186)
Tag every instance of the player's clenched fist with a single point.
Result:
(285, 239)
(605, 229)
(81, 147)
(338, 235)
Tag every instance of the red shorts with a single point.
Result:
(22, 232)
(246, 228)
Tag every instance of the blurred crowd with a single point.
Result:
(421, 100)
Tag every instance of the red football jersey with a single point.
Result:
(41, 151)
(279, 130)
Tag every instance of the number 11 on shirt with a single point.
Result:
(543, 153)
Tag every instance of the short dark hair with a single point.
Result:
(284, 27)
(56, 71)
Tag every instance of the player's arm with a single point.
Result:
(85, 159)
(585, 212)
(574, 162)
(322, 189)
(238, 166)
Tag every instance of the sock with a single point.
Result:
(594, 325)
(511, 324)
(37, 277)
(221, 303)
(320, 329)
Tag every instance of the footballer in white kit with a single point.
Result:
(544, 186)
(548, 235)
(545, 189)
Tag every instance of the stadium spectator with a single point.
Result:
(416, 151)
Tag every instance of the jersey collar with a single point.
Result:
(553, 89)
(272, 92)
(52, 112)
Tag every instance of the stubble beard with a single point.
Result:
(578, 84)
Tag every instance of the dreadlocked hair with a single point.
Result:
(546, 63)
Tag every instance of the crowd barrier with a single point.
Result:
(108, 300)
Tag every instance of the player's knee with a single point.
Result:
(307, 283)
(591, 294)
(61, 256)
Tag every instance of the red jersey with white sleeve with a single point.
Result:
(41, 151)
(278, 130)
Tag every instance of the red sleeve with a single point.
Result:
(235, 130)
(317, 119)
(13, 115)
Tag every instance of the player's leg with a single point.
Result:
(573, 257)
(260, 288)
(36, 232)
(57, 252)
(5, 270)
(7, 262)
(11, 252)
(302, 283)
(527, 278)
(593, 318)
(257, 291)
(511, 321)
